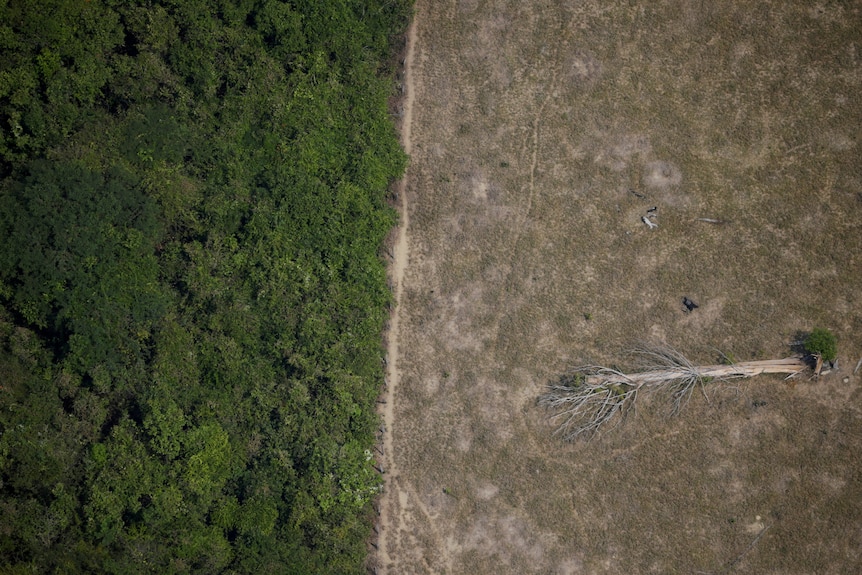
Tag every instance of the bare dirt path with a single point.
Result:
(399, 265)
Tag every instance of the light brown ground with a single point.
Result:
(532, 121)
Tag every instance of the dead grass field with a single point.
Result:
(533, 124)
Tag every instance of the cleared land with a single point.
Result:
(542, 132)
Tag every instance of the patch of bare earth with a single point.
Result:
(541, 134)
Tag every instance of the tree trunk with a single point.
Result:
(789, 365)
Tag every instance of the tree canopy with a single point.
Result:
(192, 205)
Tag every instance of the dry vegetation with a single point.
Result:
(542, 132)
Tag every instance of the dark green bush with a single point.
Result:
(823, 342)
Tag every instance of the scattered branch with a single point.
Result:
(751, 545)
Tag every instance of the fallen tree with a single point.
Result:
(589, 398)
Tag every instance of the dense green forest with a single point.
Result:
(192, 205)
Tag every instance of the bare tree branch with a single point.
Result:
(588, 398)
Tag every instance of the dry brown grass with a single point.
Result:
(532, 123)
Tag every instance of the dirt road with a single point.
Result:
(399, 265)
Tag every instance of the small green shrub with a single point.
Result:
(822, 341)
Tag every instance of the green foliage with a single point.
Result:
(76, 251)
(56, 61)
(822, 342)
(165, 424)
(192, 201)
(208, 464)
